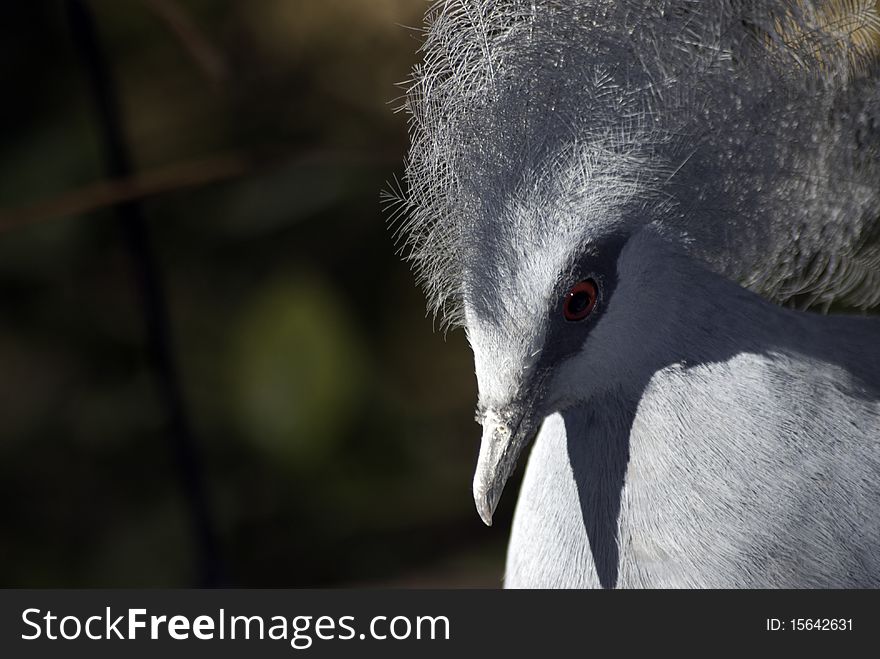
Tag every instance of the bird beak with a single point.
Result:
(504, 437)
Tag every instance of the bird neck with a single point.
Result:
(717, 319)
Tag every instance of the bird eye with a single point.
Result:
(580, 300)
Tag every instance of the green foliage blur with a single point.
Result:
(334, 427)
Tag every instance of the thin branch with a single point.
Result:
(135, 234)
(171, 178)
(208, 58)
(104, 194)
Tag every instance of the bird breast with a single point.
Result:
(759, 470)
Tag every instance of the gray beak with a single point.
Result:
(503, 440)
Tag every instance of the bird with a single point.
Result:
(658, 223)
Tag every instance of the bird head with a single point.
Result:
(551, 322)
(559, 148)
(524, 332)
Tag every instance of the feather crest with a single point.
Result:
(748, 129)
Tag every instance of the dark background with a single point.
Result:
(332, 437)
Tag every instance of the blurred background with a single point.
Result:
(214, 367)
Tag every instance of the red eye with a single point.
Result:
(580, 300)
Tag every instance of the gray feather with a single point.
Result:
(747, 129)
(700, 166)
(748, 459)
